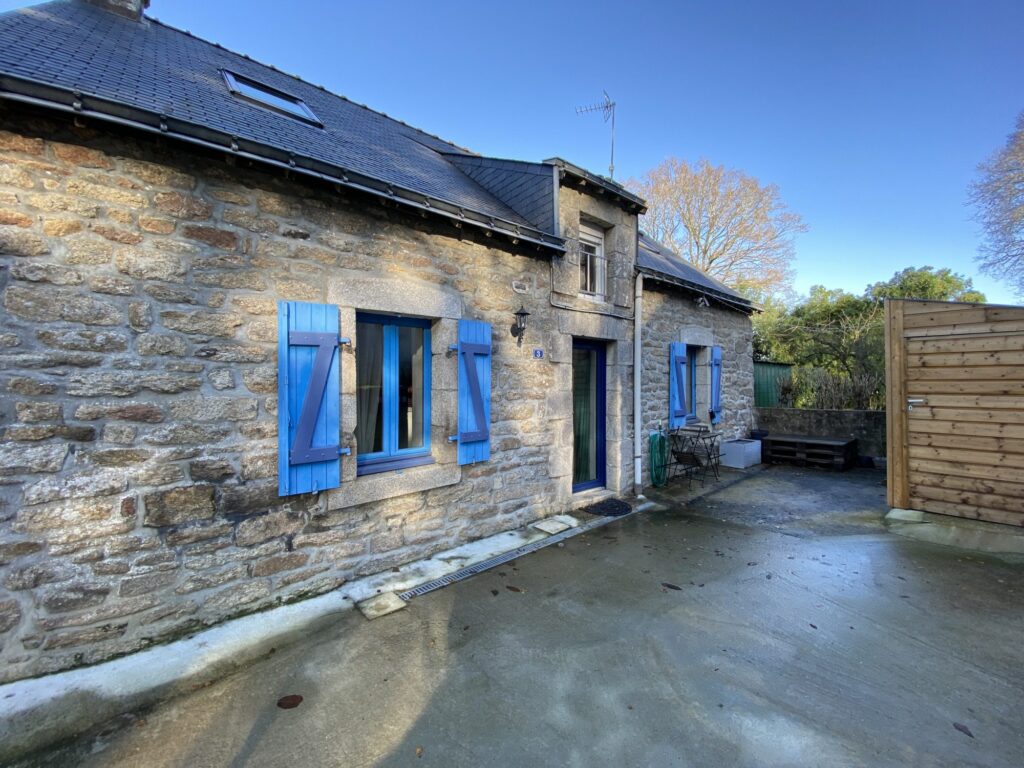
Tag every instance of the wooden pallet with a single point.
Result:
(804, 451)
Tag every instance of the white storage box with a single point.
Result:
(741, 454)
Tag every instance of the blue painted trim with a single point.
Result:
(283, 393)
(677, 385)
(470, 352)
(716, 385)
(691, 401)
(412, 322)
(302, 450)
(392, 457)
(475, 364)
(602, 402)
(388, 464)
(309, 398)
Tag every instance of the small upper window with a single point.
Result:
(270, 97)
(592, 262)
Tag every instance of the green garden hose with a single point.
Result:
(658, 461)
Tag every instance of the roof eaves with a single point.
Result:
(741, 305)
(626, 199)
(62, 99)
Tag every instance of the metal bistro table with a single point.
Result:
(707, 445)
(692, 451)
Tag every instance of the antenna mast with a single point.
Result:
(607, 109)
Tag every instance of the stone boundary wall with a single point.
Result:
(138, 489)
(868, 427)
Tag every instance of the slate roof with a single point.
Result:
(658, 261)
(74, 56)
(622, 196)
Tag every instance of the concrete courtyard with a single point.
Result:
(772, 623)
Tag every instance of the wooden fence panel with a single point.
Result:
(959, 450)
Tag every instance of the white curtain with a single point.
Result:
(369, 383)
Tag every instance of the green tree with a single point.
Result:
(837, 331)
(998, 199)
(926, 283)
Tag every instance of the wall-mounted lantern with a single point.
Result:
(519, 327)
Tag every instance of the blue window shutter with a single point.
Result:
(716, 385)
(474, 391)
(677, 385)
(308, 398)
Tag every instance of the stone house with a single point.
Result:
(695, 325)
(257, 339)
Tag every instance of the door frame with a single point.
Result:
(601, 459)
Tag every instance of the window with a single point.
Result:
(592, 262)
(392, 392)
(693, 355)
(270, 97)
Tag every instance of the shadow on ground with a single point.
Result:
(704, 635)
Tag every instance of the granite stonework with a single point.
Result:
(138, 488)
(866, 427)
(674, 316)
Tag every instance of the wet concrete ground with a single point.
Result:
(773, 623)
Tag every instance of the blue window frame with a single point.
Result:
(692, 354)
(392, 392)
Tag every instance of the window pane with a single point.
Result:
(410, 387)
(369, 387)
(587, 265)
(269, 96)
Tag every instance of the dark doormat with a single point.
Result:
(608, 508)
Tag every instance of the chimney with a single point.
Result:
(131, 9)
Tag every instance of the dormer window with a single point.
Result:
(271, 98)
(592, 262)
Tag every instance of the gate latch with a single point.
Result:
(912, 401)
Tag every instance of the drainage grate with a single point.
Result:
(484, 565)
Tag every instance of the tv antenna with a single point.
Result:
(607, 109)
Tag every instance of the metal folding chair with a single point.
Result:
(682, 452)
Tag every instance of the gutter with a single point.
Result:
(34, 93)
(739, 305)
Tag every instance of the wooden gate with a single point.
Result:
(955, 409)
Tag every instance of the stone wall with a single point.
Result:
(672, 315)
(610, 320)
(138, 493)
(868, 427)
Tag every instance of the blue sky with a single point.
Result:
(871, 116)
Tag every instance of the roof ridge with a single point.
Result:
(247, 57)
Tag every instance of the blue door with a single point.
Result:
(588, 414)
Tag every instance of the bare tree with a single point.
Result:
(722, 221)
(998, 196)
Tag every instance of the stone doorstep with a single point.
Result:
(551, 526)
(975, 535)
(381, 605)
(42, 711)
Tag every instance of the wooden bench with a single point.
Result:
(804, 451)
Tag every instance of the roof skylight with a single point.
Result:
(271, 98)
